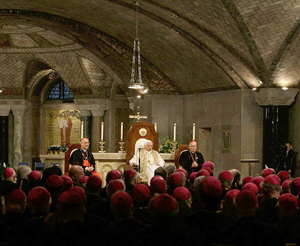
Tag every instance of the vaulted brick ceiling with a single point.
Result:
(186, 46)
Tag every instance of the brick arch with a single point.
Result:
(102, 45)
(36, 80)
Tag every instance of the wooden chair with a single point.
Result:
(134, 134)
(68, 154)
(178, 152)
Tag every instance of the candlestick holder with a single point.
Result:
(174, 148)
(102, 147)
(122, 143)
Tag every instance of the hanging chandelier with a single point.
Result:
(136, 68)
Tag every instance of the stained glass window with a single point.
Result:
(60, 91)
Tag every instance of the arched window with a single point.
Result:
(60, 91)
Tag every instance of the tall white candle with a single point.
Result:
(122, 130)
(81, 130)
(102, 130)
(155, 127)
(194, 128)
(174, 137)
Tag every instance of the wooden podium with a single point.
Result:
(139, 130)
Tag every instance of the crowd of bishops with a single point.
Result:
(50, 208)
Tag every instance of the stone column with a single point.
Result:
(98, 117)
(18, 135)
(86, 119)
(4, 150)
(97, 107)
(275, 103)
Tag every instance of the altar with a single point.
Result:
(134, 141)
(104, 161)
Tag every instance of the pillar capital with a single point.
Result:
(98, 110)
(19, 110)
(4, 110)
(275, 96)
(96, 106)
(84, 112)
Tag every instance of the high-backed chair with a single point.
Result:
(139, 145)
(140, 130)
(68, 154)
(178, 152)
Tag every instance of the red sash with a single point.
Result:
(86, 163)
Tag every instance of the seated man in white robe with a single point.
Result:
(149, 161)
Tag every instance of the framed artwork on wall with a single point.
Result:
(226, 139)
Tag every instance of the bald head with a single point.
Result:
(76, 172)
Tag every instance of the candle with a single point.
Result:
(102, 130)
(194, 131)
(81, 130)
(174, 138)
(121, 130)
(155, 127)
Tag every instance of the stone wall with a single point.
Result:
(233, 114)
(294, 130)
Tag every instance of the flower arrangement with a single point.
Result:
(167, 145)
(56, 149)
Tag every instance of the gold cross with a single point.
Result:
(138, 116)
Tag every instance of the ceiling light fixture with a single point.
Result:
(136, 69)
(284, 88)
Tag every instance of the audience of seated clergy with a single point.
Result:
(67, 182)
(7, 184)
(295, 186)
(236, 183)
(157, 185)
(247, 231)
(112, 174)
(141, 197)
(72, 228)
(170, 168)
(166, 229)
(22, 178)
(124, 226)
(131, 178)
(226, 179)
(227, 204)
(271, 190)
(263, 211)
(183, 197)
(54, 184)
(96, 204)
(176, 179)
(14, 214)
(75, 173)
(162, 171)
(34, 179)
(209, 219)
(288, 225)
